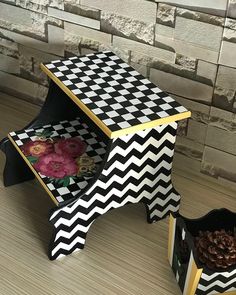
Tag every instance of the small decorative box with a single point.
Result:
(202, 253)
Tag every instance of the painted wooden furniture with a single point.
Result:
(193, 277)
(116, 126)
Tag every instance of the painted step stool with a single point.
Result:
(104, 138)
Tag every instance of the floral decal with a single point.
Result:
(56, 166)
(37, 148)
(72, 147)
(86, 165)
(59, 159)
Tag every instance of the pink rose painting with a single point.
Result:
(58, 158)
(56, 166)
(73, 147)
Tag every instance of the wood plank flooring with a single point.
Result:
(123, 254)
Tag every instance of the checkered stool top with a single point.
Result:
(115, 96)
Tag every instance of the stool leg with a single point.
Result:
(15, 170)
(70, 230)
(161, 205)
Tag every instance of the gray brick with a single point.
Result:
(8, 48)
(183, 162)
(221, 118)
(127, 27)
(55, 43)
(218, 163)
(199, 16)
(226, 77)
(182, 86)
(9, 64)
(197, 131)
(221, 139)
(185, 61)
(34, 57)
(166, 14)
(187, 49)
(143, 50)
(22, 88)
(217, 7)
(206, 70)
(15, 15)
(73, 18)
(189, 148)
(82, 10)
(87, 33)
(182, 127)
(138, 9)
(191, 31)
(31, 23)
(199, 111)
(164, 31)
(228, 54)
(40, 5)
(232, 9)
(223, 98)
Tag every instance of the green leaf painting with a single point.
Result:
(32, 159)
(45, 133)
(63, 181)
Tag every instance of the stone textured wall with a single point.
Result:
(186, 47)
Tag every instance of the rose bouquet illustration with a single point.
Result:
(59, 158)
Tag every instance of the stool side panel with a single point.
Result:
(138, 169)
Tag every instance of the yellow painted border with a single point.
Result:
(151, 124)
(193, 277)
(171, 239)
(33, 170)
(100, 124)
(227, 293)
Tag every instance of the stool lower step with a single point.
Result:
(64, 156)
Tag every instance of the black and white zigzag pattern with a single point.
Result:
(138, 169)
(216, 283)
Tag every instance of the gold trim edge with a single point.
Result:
(100, 124)
(151, 124)
(33, 170)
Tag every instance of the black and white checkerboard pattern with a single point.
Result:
(96, 149)
(117, 94)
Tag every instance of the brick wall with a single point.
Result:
(186, 47)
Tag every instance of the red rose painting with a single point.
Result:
(58, 158)
(37, 148)
(56, 166)
(73, 147)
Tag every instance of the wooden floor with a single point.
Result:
(123, 254)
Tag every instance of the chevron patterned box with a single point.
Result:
(193, 276)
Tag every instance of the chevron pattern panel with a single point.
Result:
(193, 277)
(217, 283)
(138, 169)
